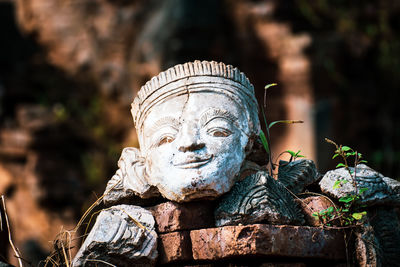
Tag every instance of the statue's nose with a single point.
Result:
(189, 139)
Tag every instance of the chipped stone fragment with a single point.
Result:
(123, 235)
(298, 174)
(258, 198)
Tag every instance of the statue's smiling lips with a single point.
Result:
(193, 162)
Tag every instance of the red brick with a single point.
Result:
(310, 205)
(172, 216)
(174, 246)
(267, 240)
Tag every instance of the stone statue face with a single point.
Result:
(194, 144)
(195, 123)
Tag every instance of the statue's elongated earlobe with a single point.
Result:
(130, 179)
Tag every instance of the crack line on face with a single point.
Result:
(186, 102)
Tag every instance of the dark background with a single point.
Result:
(69, 70)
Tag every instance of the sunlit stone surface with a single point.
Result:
(196, 123)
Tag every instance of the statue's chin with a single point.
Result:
(207, 194)
(195, 188)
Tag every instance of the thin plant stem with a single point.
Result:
(14, 248)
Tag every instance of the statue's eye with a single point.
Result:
(165, 139)
(219, 132)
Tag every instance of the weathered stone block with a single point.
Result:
(258, 198)
(172, 216)
(267, 240)
(380, 191)
(123, 235)
(297, 175)
(175, 246)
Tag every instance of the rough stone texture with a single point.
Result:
(175, 246)
(298, 174)
(393, 184)
(267, 240)
(386, 226)
(378, 193)
(172, 216)
(311, 205)
(123, 235)
(367, 247)
(258, 198)
(248, 168)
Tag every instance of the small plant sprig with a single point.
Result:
(345, 152)
(294, 155)
(265, 137)
(347, 214)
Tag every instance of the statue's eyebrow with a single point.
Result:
(164, 121)
(214, 113)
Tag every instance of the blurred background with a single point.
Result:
(69, 70)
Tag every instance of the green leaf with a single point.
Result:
(358, 215)
(292, 153)
(346, 199)
(362, 190)
(337, 184)
(315, 214)
(348, 154)
(340, 165)
(330, 209)
(334, 156)
(264, 141)
(345, 210)
(270, 85)
(363, 161)
(284, 121)
(344, 181)
(295, 155)
(346, 148)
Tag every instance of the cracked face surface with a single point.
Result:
(194, 145)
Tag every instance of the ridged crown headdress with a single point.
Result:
(195, 77)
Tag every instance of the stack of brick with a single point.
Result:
(188, 237)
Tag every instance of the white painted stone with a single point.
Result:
(123, 235)
(196, 123)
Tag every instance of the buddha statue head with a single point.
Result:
(195, 123)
